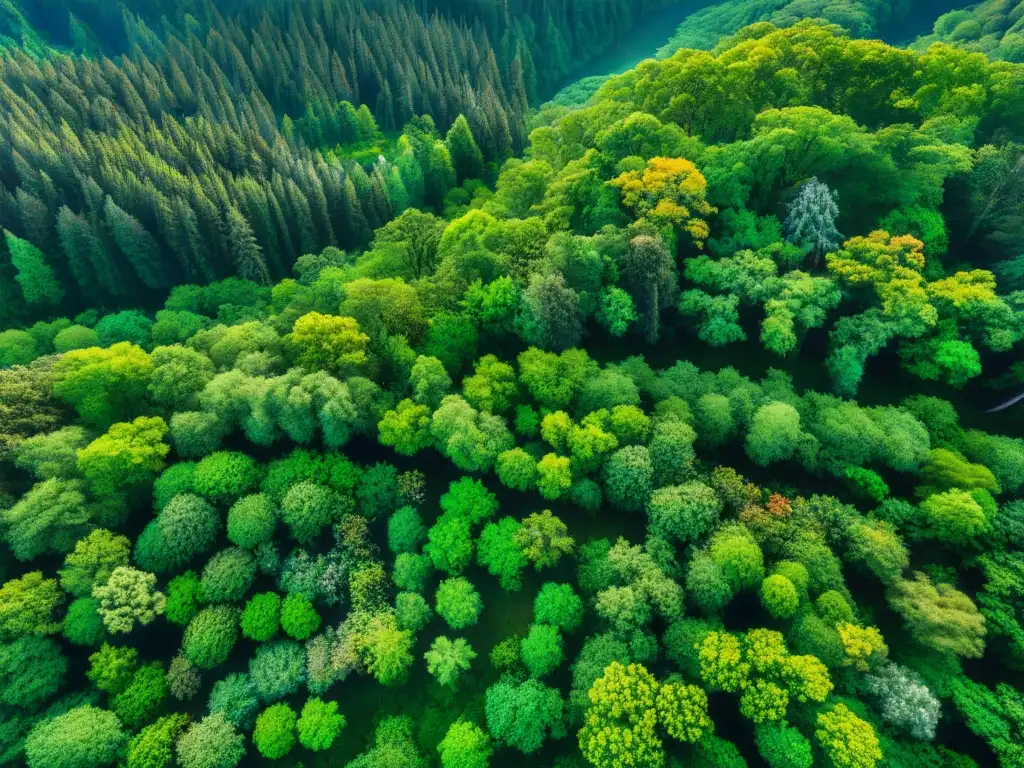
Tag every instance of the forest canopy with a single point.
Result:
(355, 411)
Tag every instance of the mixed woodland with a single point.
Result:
(362, 404)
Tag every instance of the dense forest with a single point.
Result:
(361, 406)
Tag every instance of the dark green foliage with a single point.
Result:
(523, 715)
(210, 636)
(299, 618)
(31, 670)
(559, 606)
(142, 699)
(227, 576)
(251, 521)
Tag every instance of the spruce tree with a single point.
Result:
(466, 156)
(39, 284)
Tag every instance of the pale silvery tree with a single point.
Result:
(905, 701)
(811, 219)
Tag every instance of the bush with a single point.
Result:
(274, 735)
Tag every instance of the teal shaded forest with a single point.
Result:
(399, 383)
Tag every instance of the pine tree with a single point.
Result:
(137, 245)
(39, 284)
(466, 156)
(811, 219)
(249, 263)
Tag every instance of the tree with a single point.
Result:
(684, 511)
(559, 606)
(213, 742)
(224, 476)
(550, 316)
(501, 555)
(274, 735)
(774, 433)
(127, 457)
(465, 745)
(939, 616)
(228, 575)
(406, 428)
(251, 521)
(299, 618)
(28, 605)
(261, 617)
(465, 154)
(319, 724)
(621, 723)
(51, 517)
(278, 669)
(542, 650)
(307, 509)
(179, 375)
(82, 737)
(236, 697)
(668, 192)
(554, 476)
(649, 275)
(38, 282)
(954, 516)
(430, 381)
(210, 636)
(128, 597)
(905, 700)
(112, 667)
(182, 602)
(782, 746)
(458, 602)
(83, 624)
(779, 597)
(416, 234)
(386, 650)
(183, 680)
(92, 561)
(628, 476)
(245, 250)
(450, 543)
(544, 539)
(810, 219)
(447, 660)
(735, 551)
(32, 669)
(153, 746)
(331, 343)
(523, 715)
(848, 741)
(142, 699)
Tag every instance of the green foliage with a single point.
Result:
(82, 737)
(779, 597)
(543, 539)
(274, 735)
(153, 746)
(406, 531)
(261, 617)
(251, 521)
(299, 618)
(28, 606)
(277, 669)
(465, 745)
(458, 602)
(500, 553)
(782, 746)
(319, 724)
(559, 606)
(524, 715)
(542, 650)
(141, 701)
(128, 598)
(847, 741)
(228, 575)
(226, 475)
(210, 636)
(447, 660)
(210, 743)
(32, 669)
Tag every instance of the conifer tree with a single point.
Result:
(39, 284)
